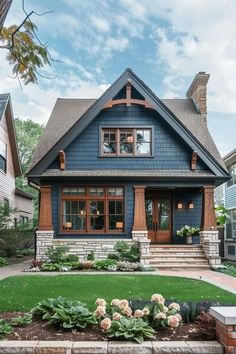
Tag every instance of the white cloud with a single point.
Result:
(100, 24)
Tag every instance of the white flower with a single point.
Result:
(174, 306)
(106, 324)
(100, 311)
(179, 317)
(138, 313)
(115, 302)
(127, 311)
(165, 309)
(158, 298)
(123, 304)
(146, 311)
(160, 316)
(100, 302)
(116, 316)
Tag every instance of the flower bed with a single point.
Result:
(63, 319)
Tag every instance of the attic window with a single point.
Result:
(125, 142)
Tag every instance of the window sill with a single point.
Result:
(127, 156)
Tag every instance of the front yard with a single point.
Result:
(21, 293)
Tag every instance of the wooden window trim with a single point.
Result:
(87, 198)
(134, 130)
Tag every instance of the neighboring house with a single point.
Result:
(230, 203)
(10, 164)
(129, 166)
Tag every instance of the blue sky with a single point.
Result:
(165, 43)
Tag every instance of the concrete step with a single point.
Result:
(192, 253)
(173, 262)
(181, 267)
(176, 260)
(176, 256)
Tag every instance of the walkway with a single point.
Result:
(221, 280)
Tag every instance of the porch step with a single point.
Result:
(178, 257)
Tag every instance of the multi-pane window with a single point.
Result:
(231, 225)
(92, 209)
(3, 156)
(232, 172)
(126, 142)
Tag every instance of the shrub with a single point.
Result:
(127, 252)
(71, 258)
(57, 254)
(130, 329)
(66, 314)
(114, 256)
(10, 250)
(25, 252)
(91, 256)
(50, 267)
(22, 321)
(3, 261)
(105, 264)
(5, 329)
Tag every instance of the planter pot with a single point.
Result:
(189, 239)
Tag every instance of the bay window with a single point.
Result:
(92, 210)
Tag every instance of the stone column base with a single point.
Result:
(210, 243)
(144, 244)
(44, 239)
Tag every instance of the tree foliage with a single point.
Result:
(25, 52)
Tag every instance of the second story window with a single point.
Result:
(3, 156)
(232, 172)
(126, 142)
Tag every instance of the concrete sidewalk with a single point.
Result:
(221, 280)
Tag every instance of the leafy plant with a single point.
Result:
(91, 256)
(188, 230)
(10, 250)
(131, 329)
(3, 261)
(128, 266)
(222, 214)
(57, 254)
(25, 252)
(71, 258)
(5, 329)
(63, 313)
(104, 264)
(48, 266)
(189, 311)
(114, 256)
(127, 252)
(22, 321)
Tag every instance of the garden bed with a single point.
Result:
(39, 330)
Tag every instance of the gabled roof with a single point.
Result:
(230, 158)
(6, 108)
(71, 116)
(24, 194)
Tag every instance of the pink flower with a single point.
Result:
(179, 317)
(123, 304)
(127, 311)
(138, 313)
(100, 302)
(173, 321)
(115, 302)
(106, 324)
(100, 311)
(174, 306)
(116, 316)
(158, 298)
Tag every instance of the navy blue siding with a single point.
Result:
(191, 217)
(170, 152)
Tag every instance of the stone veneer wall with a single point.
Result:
(210, 243)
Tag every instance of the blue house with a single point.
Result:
(230, 203)
(129, 166)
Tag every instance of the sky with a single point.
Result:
(165, 42)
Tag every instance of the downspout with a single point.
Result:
(34, 186)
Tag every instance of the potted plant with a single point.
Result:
(188, 232)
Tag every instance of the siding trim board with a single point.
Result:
(165, 114)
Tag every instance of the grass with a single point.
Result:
(21, 293)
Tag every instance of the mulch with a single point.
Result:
(41, 330)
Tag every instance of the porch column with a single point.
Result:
(139, 209)
(44, 234)
(209, 235)
(208, 209)
(139, 232)
(45, 209)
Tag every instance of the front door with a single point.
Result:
(158, 217)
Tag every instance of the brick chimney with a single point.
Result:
(198, 92)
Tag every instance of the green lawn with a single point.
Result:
(23, 292)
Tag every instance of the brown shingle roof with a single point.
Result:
(67, 112)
